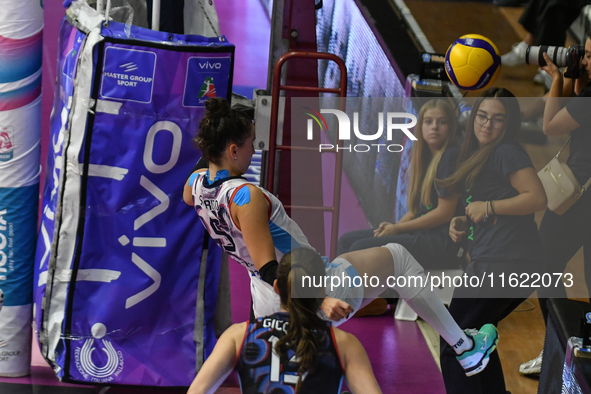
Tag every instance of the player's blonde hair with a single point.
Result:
(424, 164)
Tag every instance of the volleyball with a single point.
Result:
(472, 62)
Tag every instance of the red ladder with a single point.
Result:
(273, 147)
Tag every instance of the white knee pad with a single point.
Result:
(406, 265)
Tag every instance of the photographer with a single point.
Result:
(546, 22)
(563, 235)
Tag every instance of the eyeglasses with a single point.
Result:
(496, 123)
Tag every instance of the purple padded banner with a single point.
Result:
(129, 311)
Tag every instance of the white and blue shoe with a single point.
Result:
(485, 342)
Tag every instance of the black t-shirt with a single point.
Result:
(447, 166)
(506, 237)
(263, 371)
(579, 159)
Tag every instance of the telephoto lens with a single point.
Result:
(561, 56)
(535, 55)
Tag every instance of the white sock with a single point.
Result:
(430, 308)
(425, 302)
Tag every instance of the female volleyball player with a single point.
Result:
(251, 225)
(501, 191)
(293, 348)
(424, 229)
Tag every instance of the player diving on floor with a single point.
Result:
(251, 225)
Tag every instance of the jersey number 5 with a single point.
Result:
(227, 241)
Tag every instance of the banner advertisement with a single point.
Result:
(70, 41)
(21, 25)
(119, 252)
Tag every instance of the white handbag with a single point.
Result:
(560, 184)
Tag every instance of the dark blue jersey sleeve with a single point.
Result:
(447, 166)
(510, 157)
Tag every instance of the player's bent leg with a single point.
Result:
(473, 346)
(373, 266)
(344, 283)
(409, 276)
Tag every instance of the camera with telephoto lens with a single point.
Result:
(561, 56)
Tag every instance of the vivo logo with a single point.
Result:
(210, 66)
(162, 197)
(394, 121)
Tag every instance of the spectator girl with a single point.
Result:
(501, 191)
(424, 229)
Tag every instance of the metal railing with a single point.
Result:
(273, 147)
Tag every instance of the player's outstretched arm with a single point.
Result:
(360, 377)
(220, 363)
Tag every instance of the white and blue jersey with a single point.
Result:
(213, 201)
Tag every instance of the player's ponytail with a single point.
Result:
(221, 126)
(297, 273)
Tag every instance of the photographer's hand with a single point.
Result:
(551, 68)
(557, 120)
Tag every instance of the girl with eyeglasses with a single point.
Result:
(501, 192)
